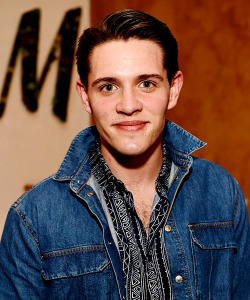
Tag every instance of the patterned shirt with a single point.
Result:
(144, 258)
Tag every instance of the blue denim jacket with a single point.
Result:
(57, 243)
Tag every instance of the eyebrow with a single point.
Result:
(148, 76)
(104, 79)
(114, 79)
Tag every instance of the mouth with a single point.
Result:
(135, 125)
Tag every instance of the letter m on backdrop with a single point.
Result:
(62, 50)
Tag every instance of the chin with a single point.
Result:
(131, 151)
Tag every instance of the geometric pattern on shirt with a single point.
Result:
(144, 259)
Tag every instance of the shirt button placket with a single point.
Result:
(150, 253)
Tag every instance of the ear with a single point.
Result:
(175, 89)
(84, 96)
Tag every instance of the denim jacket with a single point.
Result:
(57, 242)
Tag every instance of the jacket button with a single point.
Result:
(178, 279)
(110, 243)
(168, 228)
(90, 194)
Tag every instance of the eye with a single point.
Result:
(146, 84)
(108, 88)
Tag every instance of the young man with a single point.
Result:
(130, 214)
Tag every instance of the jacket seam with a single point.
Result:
(70, 252)
(236, 204)
(187, 160)
(183, 257)
(215, 226)
(175, 194)
(83, 185)
(28, 226)
(17, 203)
(194, 269)
(75, 172)
(74, 177)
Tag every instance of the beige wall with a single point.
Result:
(214, 47)
(32, 145)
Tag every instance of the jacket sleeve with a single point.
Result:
(241, 285)
(20, 264)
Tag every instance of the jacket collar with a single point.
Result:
(181, 144)
(77, 155)
(75, 164)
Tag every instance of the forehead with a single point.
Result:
(126, 57)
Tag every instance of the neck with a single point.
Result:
(135, 170)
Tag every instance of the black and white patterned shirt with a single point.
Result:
(144, 258)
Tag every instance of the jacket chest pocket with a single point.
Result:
(77, 273)
(213, 248)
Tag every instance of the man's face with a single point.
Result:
(128, 95)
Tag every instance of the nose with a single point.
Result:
(128, 103)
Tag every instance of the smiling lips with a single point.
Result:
(131, 125)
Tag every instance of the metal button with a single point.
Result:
(178, 279)
(90, 194)
(168, 228)
(110, 243)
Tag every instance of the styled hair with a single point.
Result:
(123, 25)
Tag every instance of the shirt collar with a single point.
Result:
(107, 180)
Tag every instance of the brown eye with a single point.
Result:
(108, 88)
(146, 84)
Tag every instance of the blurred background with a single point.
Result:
(40, 111)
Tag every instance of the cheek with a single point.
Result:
(158, 108)
(103, 115)
(103, 107)
(157, 103)
(99, 111)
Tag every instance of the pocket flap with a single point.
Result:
(74, 262)
(219, 235)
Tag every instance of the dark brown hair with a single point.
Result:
(123, 25)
